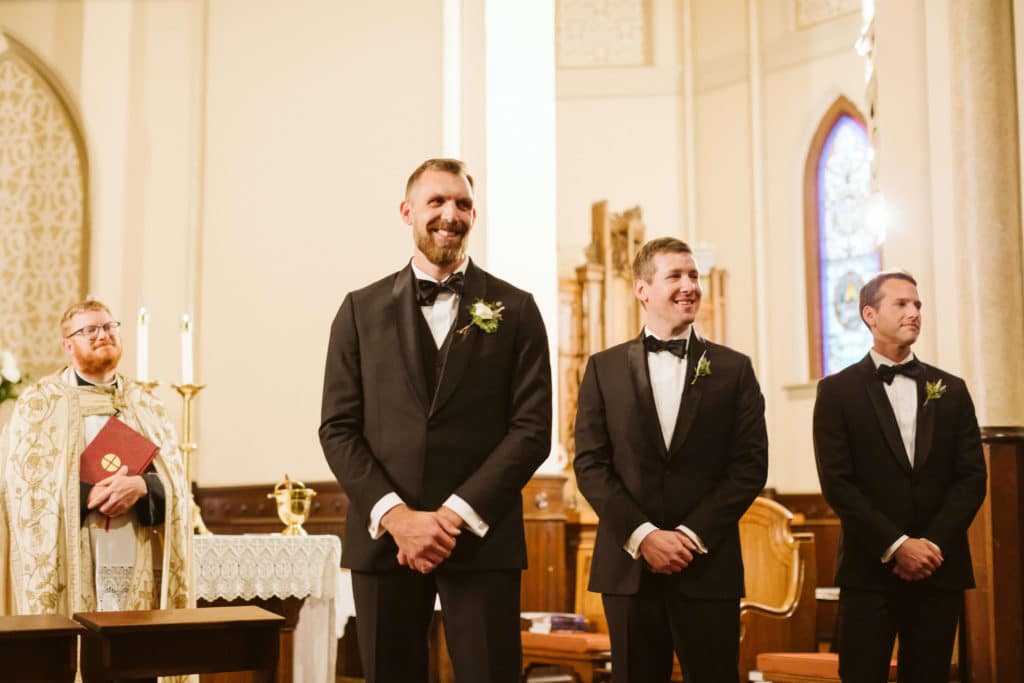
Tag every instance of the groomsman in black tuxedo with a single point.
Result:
(436, 412)
(671, 449)
(900, 461)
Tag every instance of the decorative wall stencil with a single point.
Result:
(593, 33)
(43, 235)
(812, 12)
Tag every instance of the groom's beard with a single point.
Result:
(444, 255)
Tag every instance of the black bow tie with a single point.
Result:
(677, 347)
(911, 369)
(428, 289)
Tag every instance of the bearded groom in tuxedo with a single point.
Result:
(436, 411)
(671, 449)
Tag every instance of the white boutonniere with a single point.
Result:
(703, 368)
(484, 315)
(934, 390)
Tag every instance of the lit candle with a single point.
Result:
(186, 349)
(142, 342)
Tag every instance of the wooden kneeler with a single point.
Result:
(174, 642)
(38, 648)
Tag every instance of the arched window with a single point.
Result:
(840, 254)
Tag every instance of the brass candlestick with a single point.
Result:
(148, 385)
(188, 447)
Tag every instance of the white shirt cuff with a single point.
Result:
(463, 509)
(701, 548)
(887, 555)
(637, 537)
(387, 501)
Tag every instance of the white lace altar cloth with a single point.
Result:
(249, 566)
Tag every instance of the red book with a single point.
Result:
(116, 445)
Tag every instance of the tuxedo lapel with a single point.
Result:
(925, 426)
(883, 410)
(641, 381)
(403, 298)
(692, 390)
(461, 346)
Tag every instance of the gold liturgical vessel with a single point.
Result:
(294, 503)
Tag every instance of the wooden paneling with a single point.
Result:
(247, 510)
(544, 516)
(993, 639)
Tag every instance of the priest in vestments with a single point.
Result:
(67, 546)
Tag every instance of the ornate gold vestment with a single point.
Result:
(39, 502)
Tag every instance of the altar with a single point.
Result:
(298, 577)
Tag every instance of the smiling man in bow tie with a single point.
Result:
(671, 449)
(436, 412)
(900, 461)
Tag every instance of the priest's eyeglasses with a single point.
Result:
(93, 331)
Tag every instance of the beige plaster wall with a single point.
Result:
(278, 137)
(316, 114)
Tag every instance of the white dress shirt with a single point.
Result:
(902, 394)
(440, 317)
(668, 380)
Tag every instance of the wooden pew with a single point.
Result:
(38, 648)
(173, 642)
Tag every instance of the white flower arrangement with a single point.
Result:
(10, 376)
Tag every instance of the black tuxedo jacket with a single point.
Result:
(480, 434)
(867, 479)
(714, 468)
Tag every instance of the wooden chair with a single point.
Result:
(777, 613)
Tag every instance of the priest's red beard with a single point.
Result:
(443, 255)
(100, 360)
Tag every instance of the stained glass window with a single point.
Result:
(845, 255)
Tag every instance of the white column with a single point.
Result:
(987, 218)
(757, 192)
(520, 156)
(451, 73)
(689, 123)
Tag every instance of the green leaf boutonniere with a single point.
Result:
(703, 368)
(933, 390)
(484, 315)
